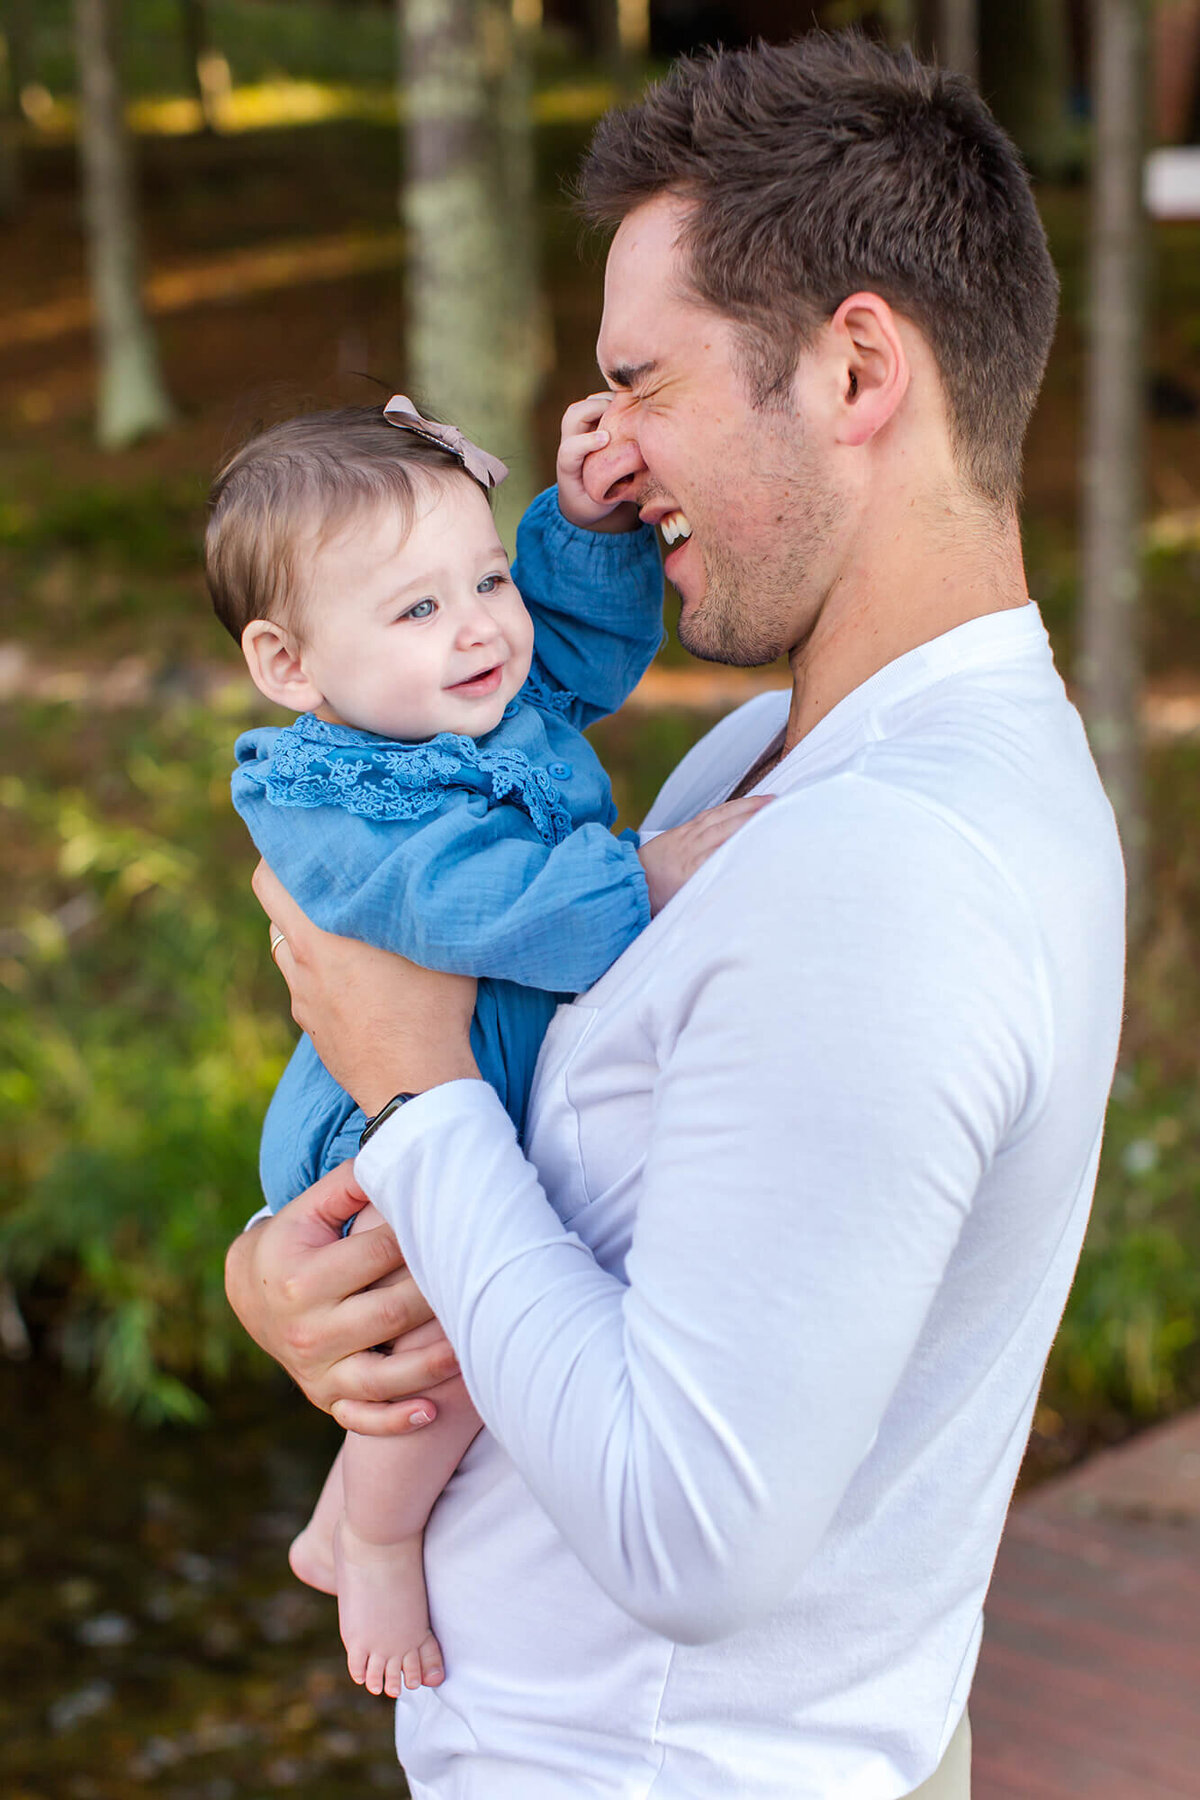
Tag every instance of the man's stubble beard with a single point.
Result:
(757, 609)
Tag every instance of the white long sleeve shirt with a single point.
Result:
(756, 1325)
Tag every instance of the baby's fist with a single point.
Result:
(582, 433)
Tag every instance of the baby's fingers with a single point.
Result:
(582, 415)
(718, 823)
(573, 452)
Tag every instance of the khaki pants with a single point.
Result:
(951, 1780)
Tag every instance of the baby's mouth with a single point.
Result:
(485, 682)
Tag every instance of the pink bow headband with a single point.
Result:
(487, 470)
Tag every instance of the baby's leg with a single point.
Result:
(311, 1554)
(390, 1485)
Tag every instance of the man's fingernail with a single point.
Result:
(420, 1418)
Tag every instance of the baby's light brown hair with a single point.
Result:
(293, 487)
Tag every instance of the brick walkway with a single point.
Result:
(1089, 1681)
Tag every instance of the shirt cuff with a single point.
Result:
(617, 549)
(443, 1107)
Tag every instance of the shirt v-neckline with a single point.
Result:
(1012, 633)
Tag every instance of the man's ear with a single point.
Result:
(874, 369)
(273, 660)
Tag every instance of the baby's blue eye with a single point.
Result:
(424, 609)
(490, 583)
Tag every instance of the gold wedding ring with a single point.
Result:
(277, 938)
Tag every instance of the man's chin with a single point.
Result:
(708, 642)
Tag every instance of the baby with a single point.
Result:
(435, 797)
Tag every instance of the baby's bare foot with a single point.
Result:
(384, 1614)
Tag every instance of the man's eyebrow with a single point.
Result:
(623, 376)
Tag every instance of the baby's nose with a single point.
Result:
(479, 626)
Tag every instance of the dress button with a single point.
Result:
(560, 771)
(511, 710)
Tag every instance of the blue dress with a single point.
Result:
(490, 856)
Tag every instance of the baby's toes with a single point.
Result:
(412, 1668)
(432, 1671)
(356, 1662)
(393, 1681)
(376, 1672)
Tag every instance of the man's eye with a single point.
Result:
(490, 583)
(424, 609)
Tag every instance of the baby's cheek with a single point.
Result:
(521, 636)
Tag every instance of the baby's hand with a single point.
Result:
(580, 436)
(673, 856)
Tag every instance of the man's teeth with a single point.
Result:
(674, 527)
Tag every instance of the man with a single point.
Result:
(757, 1328)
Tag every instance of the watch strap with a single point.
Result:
(382, 1116)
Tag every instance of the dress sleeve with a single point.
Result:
(596, 599)
(849, 1050)
(472, 890)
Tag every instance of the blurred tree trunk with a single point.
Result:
(476, 325)
(957, 27)
(1110, 661)
(1176, 63)
(1024, 65)
(10, 135)
(201, 62)
(132, 400)
(621, 30)
(14, 73)
(899, 19)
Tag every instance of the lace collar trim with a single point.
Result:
(314, 763)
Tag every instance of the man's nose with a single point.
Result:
(616, 471)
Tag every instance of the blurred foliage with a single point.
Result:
(333, 42)
(144, 1029)
(260, 39)
(141, 1039)
(1129, 1346)
(151, 528)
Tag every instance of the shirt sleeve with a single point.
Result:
(853, 1044)
(472, 890)
(596, 598)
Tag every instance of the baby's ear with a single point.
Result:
(275, 667)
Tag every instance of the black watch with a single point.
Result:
(382, 1116)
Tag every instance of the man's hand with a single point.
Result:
(380, 1024)
(580, 438)
(671, 857)
(309, 1297)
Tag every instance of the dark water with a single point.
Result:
(152, 1638)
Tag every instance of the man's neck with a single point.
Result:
(912, 586)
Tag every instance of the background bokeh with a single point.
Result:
(154, 1466)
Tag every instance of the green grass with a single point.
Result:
(141, 1038)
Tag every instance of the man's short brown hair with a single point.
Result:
(292, 488)
(829, 165)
